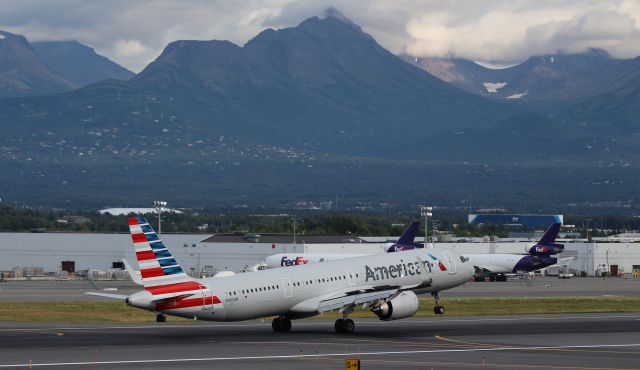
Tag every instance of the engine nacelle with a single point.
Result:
(403, 306)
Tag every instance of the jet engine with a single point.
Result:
(402, 306)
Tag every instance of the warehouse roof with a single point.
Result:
(241, 237)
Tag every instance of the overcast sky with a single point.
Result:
(133, 33)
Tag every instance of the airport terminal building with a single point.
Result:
(99, 255)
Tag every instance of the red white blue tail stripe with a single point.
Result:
(162, 276)
(160, 272)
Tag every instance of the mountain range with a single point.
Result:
(322, 110)
(44, 68)
(557, 77)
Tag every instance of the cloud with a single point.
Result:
(134, 33)
(514, 33)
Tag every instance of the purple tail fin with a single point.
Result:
(409, 235)
(549, 237)
(406, 241)
(547, 244)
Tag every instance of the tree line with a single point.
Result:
(46, 220)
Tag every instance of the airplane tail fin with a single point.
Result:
(409, 234)
(406, 241)
(547, 244)
(160, 273)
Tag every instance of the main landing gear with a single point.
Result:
(161, 318)
(281, 324)
(438, 309)
(344, 326)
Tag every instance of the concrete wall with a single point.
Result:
(89, 251)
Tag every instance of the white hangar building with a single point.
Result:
(238, 251)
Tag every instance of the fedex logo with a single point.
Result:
(293, 262)
(541, 249)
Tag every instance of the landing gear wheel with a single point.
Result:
(438, 309)
(161, 318)
(275, 324)
(348, 326)
(339, 326)
(285, 325)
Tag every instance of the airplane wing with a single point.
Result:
(354, 300)
(334, 301)
(489, 268)
(121, 297)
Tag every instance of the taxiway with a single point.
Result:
(605, 341)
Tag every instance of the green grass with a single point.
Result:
(118, 312)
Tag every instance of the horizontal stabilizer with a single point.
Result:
(121, 297)
(135, 275)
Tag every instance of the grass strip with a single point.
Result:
(118, 312)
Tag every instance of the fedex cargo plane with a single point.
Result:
(495, 265)
(385, 283)
(405, 242)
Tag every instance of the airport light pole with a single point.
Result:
(198, 260)
(294, 219)
(159, 206)
(426, 213)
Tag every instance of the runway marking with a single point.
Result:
(588, 350)
(465, 342)
(420, 343)
(35, 331)
(479, 364)
(325, 355)
(340, 341)
(280, 342)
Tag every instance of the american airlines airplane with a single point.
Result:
(496, 265)
(385, 283)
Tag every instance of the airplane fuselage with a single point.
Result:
(494, 263)
(296, 291)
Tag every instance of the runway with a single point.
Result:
(605, 341)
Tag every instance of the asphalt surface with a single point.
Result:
(609, 341)
(32, 291)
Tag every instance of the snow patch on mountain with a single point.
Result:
(516, 96)
(493, 87)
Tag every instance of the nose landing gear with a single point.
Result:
(438, 309)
